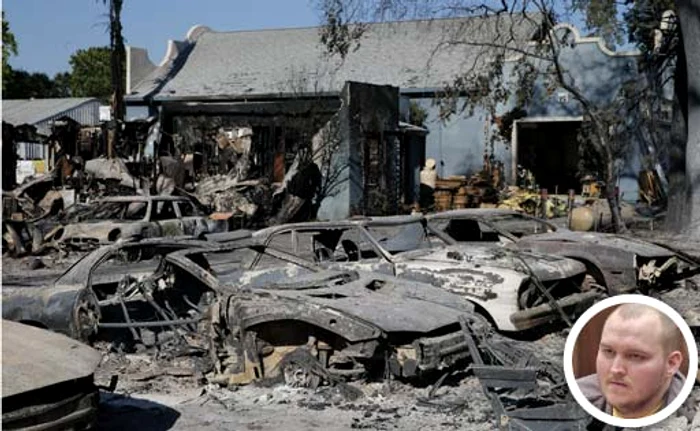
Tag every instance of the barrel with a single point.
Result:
(585, 218)
(443, 200)
(461, 198)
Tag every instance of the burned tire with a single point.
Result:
(299, 376)
(594, 278)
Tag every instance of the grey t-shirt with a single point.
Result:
(590, 387)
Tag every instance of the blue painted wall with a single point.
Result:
(458, 145)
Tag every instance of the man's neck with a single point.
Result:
(639, 413)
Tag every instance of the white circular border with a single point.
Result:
(656, 417)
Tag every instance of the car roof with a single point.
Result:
(74, 274)
(472, 212)
(339, 224)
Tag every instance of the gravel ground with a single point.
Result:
(163, 394)
(181, 403)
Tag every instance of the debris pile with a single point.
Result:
(227, 194)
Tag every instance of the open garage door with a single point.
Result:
(549, 149)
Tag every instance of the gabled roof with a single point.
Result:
(242, 64)
(34, 111)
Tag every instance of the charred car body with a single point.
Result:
(516, 290)
(131, 217)
(100, 289)
(618, 263)
(48, 380)
(348, 323)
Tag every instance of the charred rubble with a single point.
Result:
(179, 298)
(73, 191)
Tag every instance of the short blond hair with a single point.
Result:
(671, 336)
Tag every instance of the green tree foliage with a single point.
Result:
(9, 47)
(21, 84)
(636, 21)
(90, 76)
(417, 115)
(90, 73)
(62, 84)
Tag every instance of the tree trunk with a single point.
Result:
(117, 68)
(612, 198)
(611, 194)
(676, 216)
(689, 15)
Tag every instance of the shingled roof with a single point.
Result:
(242, 64)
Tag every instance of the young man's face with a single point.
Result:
(633, 367)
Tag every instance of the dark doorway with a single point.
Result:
(550, 151)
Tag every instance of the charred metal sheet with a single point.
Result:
(255, 309)
(54, 389)
(471, 283)
(564, 417)
(502, 382)
(506, 377)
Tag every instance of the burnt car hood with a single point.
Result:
(389, 303)
(631, 245)
(546, 267)
(34, 358)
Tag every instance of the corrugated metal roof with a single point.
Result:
(34, 111)
(293, 61)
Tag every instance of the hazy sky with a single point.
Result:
(49, 31)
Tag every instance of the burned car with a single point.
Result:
(514, 289)
(47, 380)
(618, 263)
(99, 289)
(131, 217)
(289, 316)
